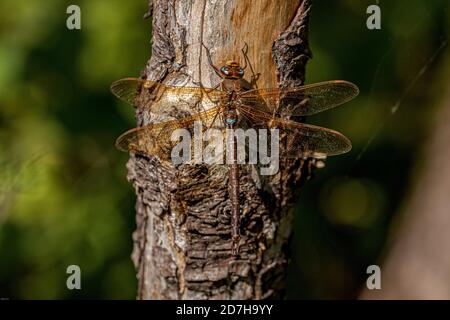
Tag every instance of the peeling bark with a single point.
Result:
(182, 245)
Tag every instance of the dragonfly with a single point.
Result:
(229, 105)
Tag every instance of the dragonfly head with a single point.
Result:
(232, 70)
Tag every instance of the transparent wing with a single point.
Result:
(299, 139)
(300, 101)
(155, 139)
(130, 89)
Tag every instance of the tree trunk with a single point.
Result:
(183, 241)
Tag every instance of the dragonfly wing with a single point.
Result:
(144, 140)
(127, 89)
(305, 140)
(300, 101)
(302, 140)
(156, 139)
(130, 89)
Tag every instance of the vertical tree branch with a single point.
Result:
(183, 238)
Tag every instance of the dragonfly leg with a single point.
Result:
(208, 54)
(254, 77)
(244, 53)
(214, 119)
(310, 168)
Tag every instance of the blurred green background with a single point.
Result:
(64, 198)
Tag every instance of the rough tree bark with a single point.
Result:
(182, 244)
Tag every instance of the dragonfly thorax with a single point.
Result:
(231, 117)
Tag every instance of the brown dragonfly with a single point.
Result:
(229, 106)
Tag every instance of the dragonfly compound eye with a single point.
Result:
(225, 70)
